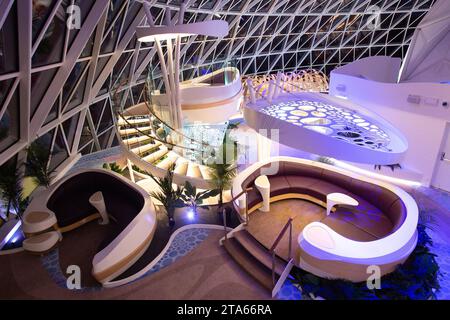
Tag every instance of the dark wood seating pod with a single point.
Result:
(381, 230)
(133, 217)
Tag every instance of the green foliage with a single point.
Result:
(416, 279)
(169, 197)
(11, 190)
(37, 164)
(325, 160)
(193, 199)
(137, 169)
(113, 167)
(161, 134)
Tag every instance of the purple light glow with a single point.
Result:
(191, 214)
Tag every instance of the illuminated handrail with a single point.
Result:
(287, 226)
(224, 213)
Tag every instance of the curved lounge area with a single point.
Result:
(380, 230)
(71, 202)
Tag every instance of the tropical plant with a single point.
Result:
(193, 199)
(137, 169)
(325, 160)
(113, 167)
(223, 166)
(11, 189)
(416, 279)
(37, 164)
(222, 176)
(170, 197)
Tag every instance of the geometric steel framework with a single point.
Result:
(56, 82)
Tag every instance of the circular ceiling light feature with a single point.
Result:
(348, 134)
(316, 121)
(318, 114)
(307, 108)
(299, 113)
(323, 130)
(363, 131)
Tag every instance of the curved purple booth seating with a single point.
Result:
(130, 208)
(381, 230)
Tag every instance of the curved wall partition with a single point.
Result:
(130, 207)
(212, 98)
(381, 230)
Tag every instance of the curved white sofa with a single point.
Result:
(135, 222)
(325, 252)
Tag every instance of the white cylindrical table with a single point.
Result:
(98, 202)
(339, 198)
(263, 185)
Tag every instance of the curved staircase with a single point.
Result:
(156, 157)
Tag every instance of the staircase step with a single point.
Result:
(258, 251)
(147, 147)
(132, 141)
(123, 122)
(156, 155)
(181, 166)
(125, 132)
(166, 163)
(193, 170)
(253, 267)
(206, 172)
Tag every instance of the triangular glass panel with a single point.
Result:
(86, 134)
(10, 123)
(40, 82)
(5, 86)
(70, 129)
(110, 41)
(78, 95)
(59, 151)
(96, 111)
(53, 112)
(85, 7)
(72, 81)
(41, 12)
(107, 120)
(51, 47)
(9, 44)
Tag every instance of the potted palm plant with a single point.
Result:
(37, 164)
(170, 197)
(11, 190)
(224, 164)
(193, 199)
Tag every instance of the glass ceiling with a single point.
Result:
(56, 82)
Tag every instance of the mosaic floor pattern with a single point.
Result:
(183, 243)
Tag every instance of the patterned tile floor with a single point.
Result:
(189, 239)
(182, 244)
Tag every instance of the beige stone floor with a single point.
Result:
(205, 273)
(266, 226)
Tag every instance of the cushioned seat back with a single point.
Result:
(298, 169)
(70, 202)
(397, 214)
(248, 182)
